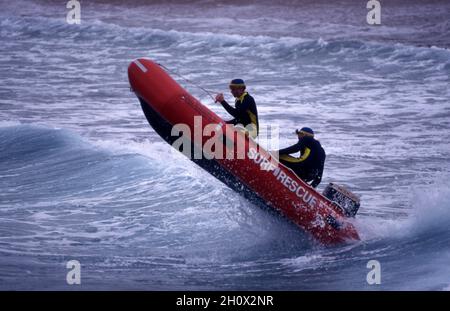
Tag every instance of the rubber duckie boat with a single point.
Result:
(256, 175)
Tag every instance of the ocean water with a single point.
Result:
(84, 177)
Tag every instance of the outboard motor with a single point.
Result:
(344, 199)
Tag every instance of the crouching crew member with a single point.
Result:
(309, 166)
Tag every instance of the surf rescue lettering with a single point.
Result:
(283, 178)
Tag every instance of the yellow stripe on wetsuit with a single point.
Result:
(241, 98)
(254, 130)
(291, 159)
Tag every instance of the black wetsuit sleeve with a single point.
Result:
(292, 149)
(231, 110)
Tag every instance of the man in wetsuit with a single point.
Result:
(309, 166)
(244, 110)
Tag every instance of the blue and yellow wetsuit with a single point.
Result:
(244, 113)
(309, 166)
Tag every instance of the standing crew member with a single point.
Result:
(244, 110)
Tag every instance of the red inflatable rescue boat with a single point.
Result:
(165, 103)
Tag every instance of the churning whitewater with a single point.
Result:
(83, 177)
